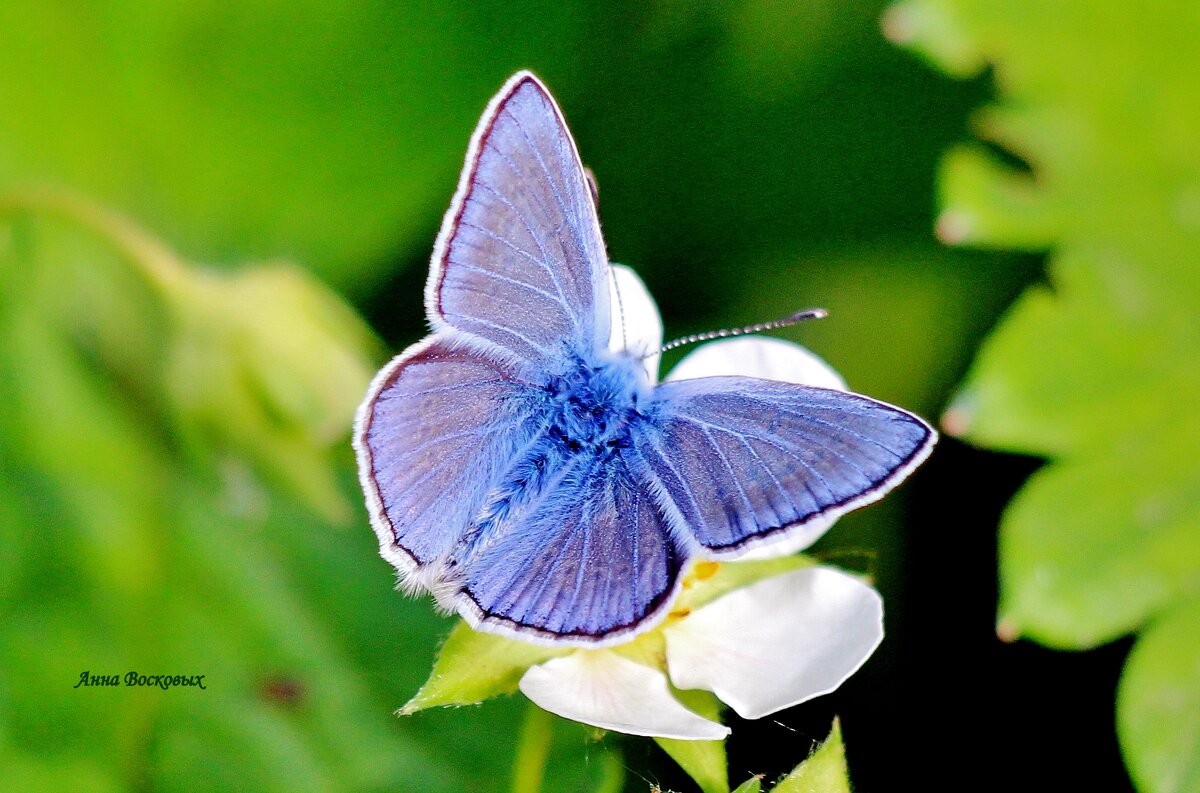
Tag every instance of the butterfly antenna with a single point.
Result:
(799, 316)
(612, 274)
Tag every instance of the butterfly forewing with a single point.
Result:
(520, 263)
(749, 462)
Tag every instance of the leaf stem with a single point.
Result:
(156, 262)
(533, 749)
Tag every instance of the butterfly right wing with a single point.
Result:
(748, 463)
(438, 427)
(520, 266)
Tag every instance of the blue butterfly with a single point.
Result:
(541, 485)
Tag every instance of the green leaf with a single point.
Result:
(823, 772)
(940, 33)
(751, 785)
(704, 761)
(264, 363)
(1067, 371)
(473, 666)
(991, 202)
(1087, 558)
(1096, 369)
(1158, 705)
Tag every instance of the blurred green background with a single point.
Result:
(177, 492)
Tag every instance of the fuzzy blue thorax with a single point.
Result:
(591, 406)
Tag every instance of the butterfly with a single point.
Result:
(540, 484)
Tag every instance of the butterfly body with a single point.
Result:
(525, 469)
(586, 419)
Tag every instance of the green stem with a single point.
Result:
(533, 748)
(156, 262)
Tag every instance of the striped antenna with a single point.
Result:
(799, 316)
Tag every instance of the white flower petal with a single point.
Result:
(636, 325)
(758, 356)
(778, 642)
(608, 690)
(795, 541)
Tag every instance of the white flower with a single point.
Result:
(761, 648)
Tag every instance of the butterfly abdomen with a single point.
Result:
(586, 419)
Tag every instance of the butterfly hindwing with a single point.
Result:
(520, 264)
(750, 462)
(439, 426)
(589, 558)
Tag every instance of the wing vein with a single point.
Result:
(732, 473)
(771, 474)
(445, 389)
(517, 282)
(534, 345)
(433, 471)
(544, 262)
(859, 435)
(682, 481)
(546, 170)
(794, 410)
(788, 452)
(503, 241)
(440, 439)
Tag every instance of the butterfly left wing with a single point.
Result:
(437, 428)
(748, 462)
(520, 265)
(587, 562)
